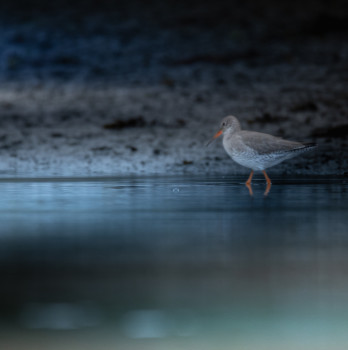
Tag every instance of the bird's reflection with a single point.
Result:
(250, 189)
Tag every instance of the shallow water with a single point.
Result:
(176, 262)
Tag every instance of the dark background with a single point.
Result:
(138, 41)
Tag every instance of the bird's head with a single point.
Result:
(229, 124)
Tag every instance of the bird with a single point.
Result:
(257, 151)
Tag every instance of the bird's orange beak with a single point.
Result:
(219, 133)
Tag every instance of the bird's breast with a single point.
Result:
(241, 153)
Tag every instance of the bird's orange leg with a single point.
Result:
(248, 183)
(269, 183)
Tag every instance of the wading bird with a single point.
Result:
(256, 150)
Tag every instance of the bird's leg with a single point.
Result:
(250, 178)
(248, 183)
(269, 183)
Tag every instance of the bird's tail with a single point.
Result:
(303, 147)
(308, 145)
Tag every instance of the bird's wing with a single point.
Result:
(266, 144)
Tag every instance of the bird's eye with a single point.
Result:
(223, 124)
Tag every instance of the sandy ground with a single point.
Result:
(138, 88)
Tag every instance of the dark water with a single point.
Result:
(173, 263)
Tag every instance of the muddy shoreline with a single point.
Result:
(138, 88)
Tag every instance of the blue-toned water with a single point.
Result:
(175, 262)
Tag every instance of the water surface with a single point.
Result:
(176, 262)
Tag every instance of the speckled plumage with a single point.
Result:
(255, 150)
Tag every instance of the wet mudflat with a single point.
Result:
(173, 263)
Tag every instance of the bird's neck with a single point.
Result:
(231, 131)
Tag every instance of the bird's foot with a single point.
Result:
(269, 183)
(268, 188)
(248, 185)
